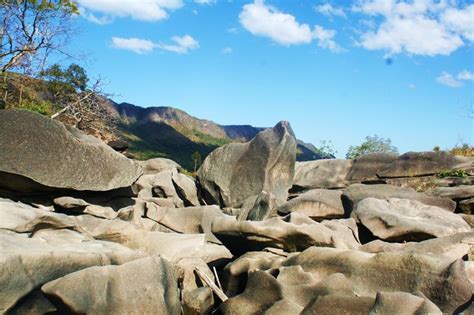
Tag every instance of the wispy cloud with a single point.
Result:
(203, 2)
(450, 80)
(283, 28)
(150, 10)
(136, 45)
(328, 10)
(418, 28)
(181, 45)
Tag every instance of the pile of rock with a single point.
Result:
(85, 230)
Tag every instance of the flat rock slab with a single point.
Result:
(143, 286)
(53, 155)
(425, 163)
(318, 204)
(322, 174)
(407, 220)
(235, 172)
(357, 192)
(455, 193)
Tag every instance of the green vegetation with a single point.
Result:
(326, 149)
(453, 173)
(463, 150)
(372, 144)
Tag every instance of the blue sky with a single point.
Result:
(336, 70)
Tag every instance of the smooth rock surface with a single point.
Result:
(143, 286)
(322, 174)
(318, 204)
(59, 157)
(407, 220)
(233, 173)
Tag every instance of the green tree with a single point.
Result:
(372, 144)
(197, 160)
(326, 149)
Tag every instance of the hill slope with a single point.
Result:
(172, 133)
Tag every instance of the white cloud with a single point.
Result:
(448, 79)
(328, 10)
(465, 75)
(260, 19)
(137, 45)
(226, 50)
(325, 38)
(182, 45)
(202, 2)
(419, 27)
(264, 20)
(460, 20)
(100, 20)
(150, 10)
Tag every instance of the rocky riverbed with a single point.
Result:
(83, 229)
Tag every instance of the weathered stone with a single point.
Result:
(466, 206)
(33, 304)
(456, 193)
(403, 303)
(63, 157)
(357, 192)
(233, 173)
(186, 220)
(243, 236)
(26, 263)
(406, 220)
(425, 163)
(200, 301)
(318, 204)
(22, 218)
(469, 218)
(339, 305)
(365, 168)
(260, 208)
(442, 281)
(158, 165)
(322, 174)
(186, 189)
(142, 286)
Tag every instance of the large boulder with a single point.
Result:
(318, 204)
(233, 173)
(26, 263)
(357, 192)
(143, 286)
(158, 165)
(407, 220)
(424, 163)
(322, 174)
(365, 168)
(57, 156)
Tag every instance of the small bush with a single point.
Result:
(41, 107)
(463, 150)
(453, 173)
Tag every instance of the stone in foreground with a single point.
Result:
(143, 286)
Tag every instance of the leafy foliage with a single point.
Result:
(326, 149)
(463, 150)
(372, 144)
(453, 173)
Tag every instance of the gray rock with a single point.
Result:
(200, 301)
(357, 192)
(424, 163)
(322, 174)
(56, 156)
(233, 173)
(318, 204)
(143, 286)
(407, 220)
(456, 193)
(243, 236)
(403, 303)
(158, 165)
(32, 304)
(442, 281)
(21, 218)
(466, 206)
(186, 189)
(260, 208)
(26, 263)
(365, 168)
(339, 304)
